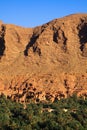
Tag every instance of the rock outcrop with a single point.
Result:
(47, 62)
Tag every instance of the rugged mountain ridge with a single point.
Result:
(47, 62)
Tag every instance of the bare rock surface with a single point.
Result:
(47, 62)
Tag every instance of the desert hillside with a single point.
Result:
(47, 62)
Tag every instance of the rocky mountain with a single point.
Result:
(47, 62)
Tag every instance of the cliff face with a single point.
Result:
(47, 62)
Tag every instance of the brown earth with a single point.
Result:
(47, 62)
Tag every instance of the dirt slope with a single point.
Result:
(45, 62)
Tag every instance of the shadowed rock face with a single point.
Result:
(83, 37)
(2, 40)
(47, 62)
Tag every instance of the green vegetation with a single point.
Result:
(65, 114)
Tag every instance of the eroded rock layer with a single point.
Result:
(47, 62)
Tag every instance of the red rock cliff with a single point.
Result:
(47, 62)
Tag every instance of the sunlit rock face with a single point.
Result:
(47, 62)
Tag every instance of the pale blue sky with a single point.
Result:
(30, 13)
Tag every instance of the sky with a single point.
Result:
(31, 13)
